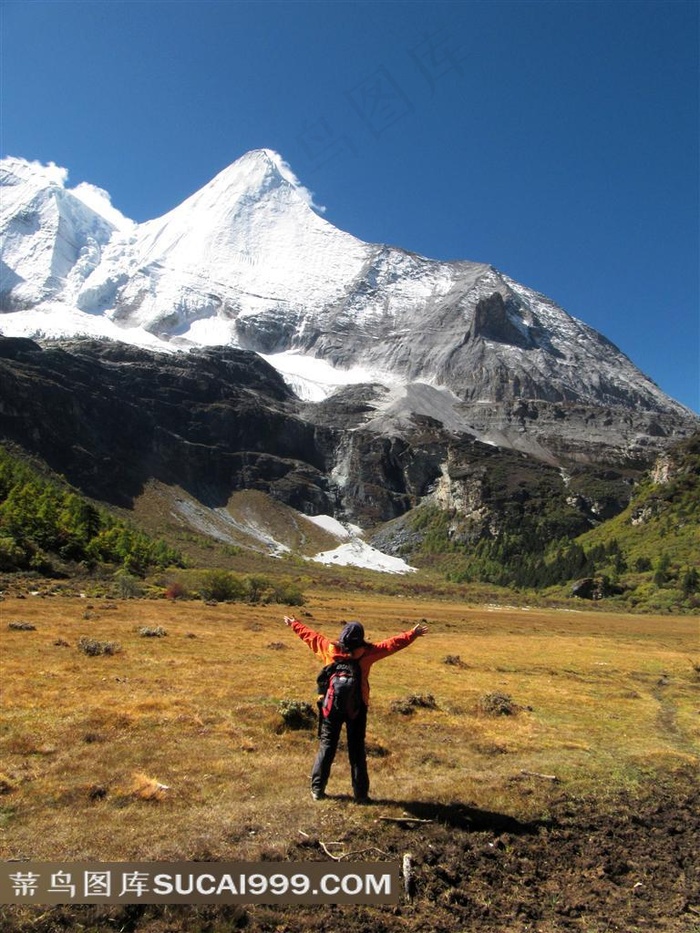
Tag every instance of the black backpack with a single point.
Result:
(340, 685)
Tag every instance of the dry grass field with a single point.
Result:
(173, 747)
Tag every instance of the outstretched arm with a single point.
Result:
(319, 644)
(383, 649)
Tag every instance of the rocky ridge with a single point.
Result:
(113, 418)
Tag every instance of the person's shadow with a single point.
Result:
(456, 815)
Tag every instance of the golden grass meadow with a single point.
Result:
(174, 747)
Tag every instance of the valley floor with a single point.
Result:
(576, 812)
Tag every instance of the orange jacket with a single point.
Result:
(327, 651)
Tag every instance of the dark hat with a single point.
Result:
(352, 636)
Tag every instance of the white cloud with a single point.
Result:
(286, 172)
(51, 173)
(100, 202)
(58, 175)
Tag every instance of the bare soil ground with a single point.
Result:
(630, 865)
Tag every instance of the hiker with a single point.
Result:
(344, 689)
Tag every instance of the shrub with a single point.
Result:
(454, 660)
(147, 788)
(691, 581)
(221, 586)
(148, 631)
(288, 593)
(497, 704)
(127, 586)
(176, 590)
(257, 586)
(7, 784)
(12, 556)
(297, 715)
(408, 705)
(92, 647)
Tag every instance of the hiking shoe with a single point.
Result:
(363, 800)
(318, 795)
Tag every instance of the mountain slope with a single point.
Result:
(246, 262)
(47, 526)
(214, 442)
(110, 417)
(662, 521)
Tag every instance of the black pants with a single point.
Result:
(329, 734)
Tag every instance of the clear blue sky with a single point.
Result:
(556, 140)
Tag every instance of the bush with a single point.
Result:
(224, 586)
(221, 586)
(176, 590)
(93, 648)
(497, 704)
(288, 594)
(12, 556)
(454, 660)
(127, 586)
(408, 705)
(7, 785)
(297, 715)
(257, 587)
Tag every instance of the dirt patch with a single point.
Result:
(628, 866)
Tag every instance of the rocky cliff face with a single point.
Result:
(111, 418)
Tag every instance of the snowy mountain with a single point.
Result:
(247, 262)
(52, 237)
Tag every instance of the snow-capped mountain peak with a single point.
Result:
(248, 242)
(248, 261)
(259, 180)
(16, 172)
(265, 169)
(246, 181)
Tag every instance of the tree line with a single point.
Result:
(42, 520)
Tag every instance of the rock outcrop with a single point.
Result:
(110, 417)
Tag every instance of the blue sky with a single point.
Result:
(556, 140)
